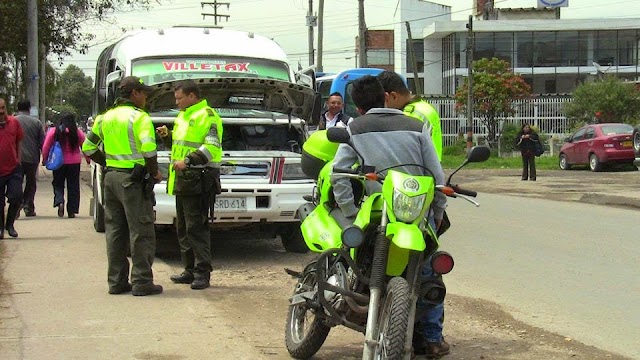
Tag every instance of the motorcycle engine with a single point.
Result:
(337, 278)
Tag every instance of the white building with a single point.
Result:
(553, 55)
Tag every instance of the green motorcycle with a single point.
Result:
(367, 276)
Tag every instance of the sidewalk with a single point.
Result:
(54, 302)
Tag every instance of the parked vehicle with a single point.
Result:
(598, 145)
(636, 146)
(247, 79)
(367, 276)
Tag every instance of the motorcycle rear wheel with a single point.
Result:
(393, 320)
(304, 332)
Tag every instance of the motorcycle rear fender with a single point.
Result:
(404, 239)
(321, 231)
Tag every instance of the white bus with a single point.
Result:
(265, 113)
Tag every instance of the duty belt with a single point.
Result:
(123, 170)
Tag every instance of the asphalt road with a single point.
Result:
(569, 268)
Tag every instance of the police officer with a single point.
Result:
(130, 157)
(195, 180)
(399, 97)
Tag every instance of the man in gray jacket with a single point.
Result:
(386, 137)
(30, 154)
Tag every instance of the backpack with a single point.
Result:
(538, 148)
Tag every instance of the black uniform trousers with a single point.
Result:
(128, 222)
(193, 233)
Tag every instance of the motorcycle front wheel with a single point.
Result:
(393, 320)
(304, 332)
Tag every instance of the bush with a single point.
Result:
(459, 148)
(508, 137)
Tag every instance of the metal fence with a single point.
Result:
(544, 112)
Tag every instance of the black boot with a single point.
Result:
(11, 217)
(2, 223)
(200, 281)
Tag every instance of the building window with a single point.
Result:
(627, 47)
(544, 49)
(411, 82)
(504, 47)
(418, 50)
(379, 57)
(525, 49)
(605, 51)
(484, 47)
(570, 45)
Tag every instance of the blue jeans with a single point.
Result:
(429, 317)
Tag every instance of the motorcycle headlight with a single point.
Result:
(407, 208)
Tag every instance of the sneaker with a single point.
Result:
(432, 350)
(148, 289)
(120, 289)
(185, 278)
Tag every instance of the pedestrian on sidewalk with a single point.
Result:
(526, 141)
(10, 169)
(131, 171)
(71, 139)
(30, 154)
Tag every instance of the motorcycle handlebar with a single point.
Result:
(345, 171)
(462, 191)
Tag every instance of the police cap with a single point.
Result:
(130, 83)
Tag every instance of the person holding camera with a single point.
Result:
(194, 178)
(130, 157)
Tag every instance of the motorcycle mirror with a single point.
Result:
(478, 154)
(338, 135)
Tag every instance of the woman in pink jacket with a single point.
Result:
(71, 139)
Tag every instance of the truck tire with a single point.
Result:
(292, 239)
(97, 211)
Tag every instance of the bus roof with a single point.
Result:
(193, 41)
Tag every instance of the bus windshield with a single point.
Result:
(160, 70)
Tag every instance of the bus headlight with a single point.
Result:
(407, 208)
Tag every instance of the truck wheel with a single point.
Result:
(292, 239)
(97, 211)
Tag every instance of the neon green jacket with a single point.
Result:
(423, 111)
(127, 134)
(198, 128)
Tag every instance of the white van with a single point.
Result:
(265, 113)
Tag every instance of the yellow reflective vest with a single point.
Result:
(127, 134)
(420, 109)
(198, 127)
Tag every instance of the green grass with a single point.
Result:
(495, 162)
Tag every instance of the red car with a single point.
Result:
(597, 145)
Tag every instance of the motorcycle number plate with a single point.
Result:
(231, 204)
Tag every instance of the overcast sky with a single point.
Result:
(284, 20)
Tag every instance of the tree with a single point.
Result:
(609, 100)
(495, 88)
(59, 29)
(76, 90)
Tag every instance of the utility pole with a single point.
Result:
(311, 22)
(320, 34)
(32, 56)
(362, 35)
(215, 4)
(470, 49)
(416, 79)
(43, 83)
